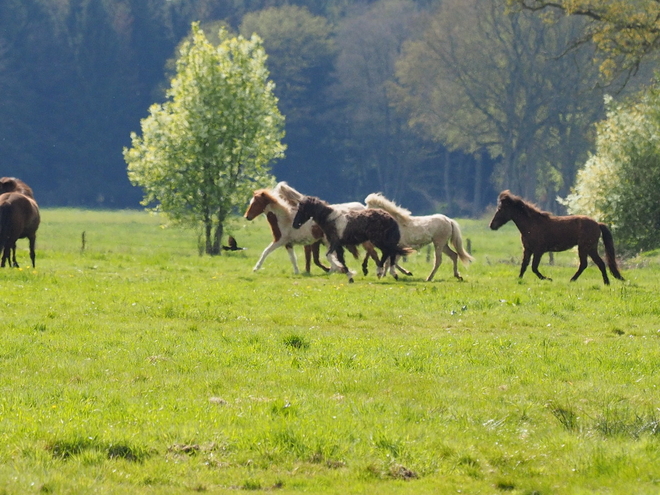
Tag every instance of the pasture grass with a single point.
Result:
(135, 365)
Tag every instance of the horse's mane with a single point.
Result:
(288, 193)
(377, 200)
(275, 200)
(520, 204)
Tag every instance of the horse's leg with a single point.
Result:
(269, 249)
(371, 253)
(14, 263)
(315, 249)
(535, 266)
(593, 253)
(437, 260)
(454, 258)
(308, 257)
(393, 265)
(583, 263)
(6, 256)
(292, 257)
(33, 256)
(527, 254)
(402, 269)
(9, 251)
(340, 257)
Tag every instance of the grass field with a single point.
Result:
(137, 366)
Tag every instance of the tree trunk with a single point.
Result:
(207, 236)
(217, 238)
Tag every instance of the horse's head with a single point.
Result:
(503, 212)
(304, 213)
(260, 200)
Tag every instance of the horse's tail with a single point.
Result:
(404, 251)
(457, 241)
(608, 240)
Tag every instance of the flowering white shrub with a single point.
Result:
(620, 184)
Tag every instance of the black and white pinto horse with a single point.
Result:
(350, 228)
(420, 231)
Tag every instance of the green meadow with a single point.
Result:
(135, 365)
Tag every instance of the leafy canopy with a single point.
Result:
(204, 149)
(625, 31)
(620, 184)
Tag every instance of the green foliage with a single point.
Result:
(620, 184)
(204, 150)
(136, 366)
(299, 45)
(626, 32)
(480, 79)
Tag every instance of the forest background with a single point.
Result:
(439, 104)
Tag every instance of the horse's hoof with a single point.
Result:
(365, 272)
(409, 274)
(350, 280)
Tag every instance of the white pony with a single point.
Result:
(419, 231)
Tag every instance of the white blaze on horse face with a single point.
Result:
(247, 212)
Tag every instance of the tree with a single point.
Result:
(301, 51)
(620, 184)
(480, 80)
(625, 31)
(380, 151)
(204, 149)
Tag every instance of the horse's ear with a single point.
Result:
(505, 196)
(8, 184)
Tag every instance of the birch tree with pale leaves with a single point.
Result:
(204, 150)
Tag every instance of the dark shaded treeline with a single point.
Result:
(76, 78)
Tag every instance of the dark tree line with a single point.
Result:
(77, 76)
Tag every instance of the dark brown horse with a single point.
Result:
(12, 184)
(19, 218)
(542, 232)
(353, 227)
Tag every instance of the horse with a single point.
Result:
(19, 218)
(280, 217)
(542, 232)
(293, 197)
(417, 231)
(353, 227)
(12, 184)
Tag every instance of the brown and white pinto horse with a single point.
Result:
(294, 197)
(353, 227)
(280, 217)
(19, 218)
(542, 232)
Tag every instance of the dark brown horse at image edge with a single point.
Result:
(12, 184)
(543, 232)
(19, 218)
